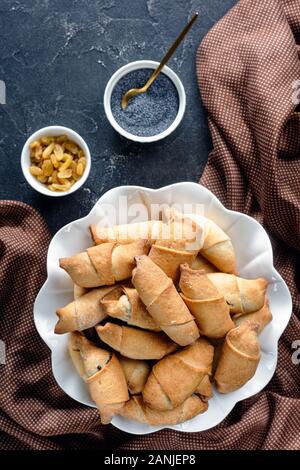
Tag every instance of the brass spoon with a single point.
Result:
(137, 91)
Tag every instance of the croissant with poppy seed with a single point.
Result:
(138, 410)
(239, 358)
(241, 295)
(163, 302)
(134, 342)
(210, 309)
(102, 373)
(83, 313)
(150, 230)
(217, 247)
(124, 303)
(103, 264)
(176, 377)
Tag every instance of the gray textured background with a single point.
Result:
(56, 57)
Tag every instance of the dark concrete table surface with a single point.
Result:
(56, 57)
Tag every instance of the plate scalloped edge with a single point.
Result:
(243, 230)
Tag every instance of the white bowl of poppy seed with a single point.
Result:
(151, 116)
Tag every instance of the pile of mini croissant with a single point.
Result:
(159, 315)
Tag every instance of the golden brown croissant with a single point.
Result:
(262, 317)
(182, 240)
(103, 264)
(239, 358)
(135, 343)
(177, 230)
(170, 259)
(212, 316)
(136, 373)
(137, 410)
(242, 295)
(173, 244)
(181, 231)
(217, 247)
(103, 375)
(150, 230)
(125, 304)
(210, 309)
(176, 377)
(163, 302)
(84, 312)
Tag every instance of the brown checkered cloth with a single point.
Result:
(246, 67)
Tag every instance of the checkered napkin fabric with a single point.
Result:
(247, 66)
(249, 76)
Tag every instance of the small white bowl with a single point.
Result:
(144, 64)
(54, 131)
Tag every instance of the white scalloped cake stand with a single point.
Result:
(255, 259)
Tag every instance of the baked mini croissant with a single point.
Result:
(163, 302)
(174, 243)
(137, 410)
(181, 231)
(242, 295)
(262, 317)
(103, 264)
(150, 230)
(125, 304)
(217, 247)
(136, 373)
(182, 240)
(170, 259)
(210, 309)
(135, 343)
(176, 377)
(103, 374)
(84, 312)
(239, 358)
(178, 230)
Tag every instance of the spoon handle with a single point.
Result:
(171, 50)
